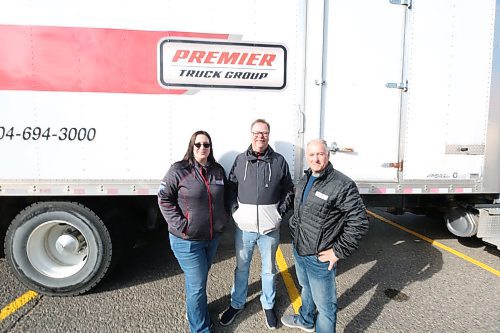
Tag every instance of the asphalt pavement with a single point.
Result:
(395, 282)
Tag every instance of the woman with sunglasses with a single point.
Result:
(193, 201)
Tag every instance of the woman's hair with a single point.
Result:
(189, 156)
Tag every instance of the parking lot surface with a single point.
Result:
(396, 281)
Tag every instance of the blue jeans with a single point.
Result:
(244, 242)
(195, 259)
(319, 292)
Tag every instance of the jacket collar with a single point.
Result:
(197, 165)
(265, 157)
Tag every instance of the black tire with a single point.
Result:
(58, 248)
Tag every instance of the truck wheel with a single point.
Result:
(58, 248)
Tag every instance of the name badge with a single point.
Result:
(219, 182)
(321, 195)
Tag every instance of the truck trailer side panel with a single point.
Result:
(98, 99)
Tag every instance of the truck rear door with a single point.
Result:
(449, 52)
(363, 51)
(431, 129)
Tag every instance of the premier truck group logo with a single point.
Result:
(221, 64)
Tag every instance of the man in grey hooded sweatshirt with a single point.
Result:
(262, 189)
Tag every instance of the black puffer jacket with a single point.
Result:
(194, 206)
(333, 216)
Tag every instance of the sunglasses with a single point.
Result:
(205, 145)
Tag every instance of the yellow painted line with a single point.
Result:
(17, 304)
(292, 290)
(437, 244)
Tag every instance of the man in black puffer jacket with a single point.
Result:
(327, 225)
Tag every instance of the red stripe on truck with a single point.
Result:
(83, 59)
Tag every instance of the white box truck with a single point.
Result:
(99, 98)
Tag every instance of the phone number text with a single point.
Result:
(47, 133)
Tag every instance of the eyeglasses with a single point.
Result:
(256, 134)
(205, 145)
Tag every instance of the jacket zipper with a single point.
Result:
(300, 203)
(186, 231)
(207, 185)
(301, 207)
(257, 203)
